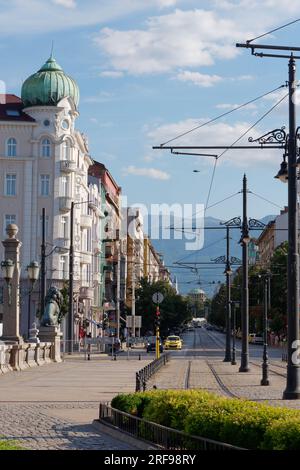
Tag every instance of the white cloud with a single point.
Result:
(111, 74)
(65, 3)
(41, 16)
(190, 38)
(199, 79)
(148, 172)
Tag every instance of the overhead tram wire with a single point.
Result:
(273, 31)
(236, 141)
(267, 200)
(213, 205)
(222, 115)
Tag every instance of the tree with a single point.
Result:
(174, 309)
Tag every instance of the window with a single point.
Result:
(46, 226)
(66, 150)
(46, 148)
(45, 185)
(63, 267)
(12, 112)
(65, 228)
(11, 184)
(9, 219)
(11, 147)
(65, 180)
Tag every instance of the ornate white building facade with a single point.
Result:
(45, 162)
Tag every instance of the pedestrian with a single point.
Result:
(89, 345)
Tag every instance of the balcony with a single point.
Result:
(86, 258)
(67, 166)
(86, 293)
(86, 221)
(65, 203)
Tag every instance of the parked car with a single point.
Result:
(173, 342)
(255, 338)
(151, 344)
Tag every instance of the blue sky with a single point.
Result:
(151, 69)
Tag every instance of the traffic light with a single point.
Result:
(157, 318)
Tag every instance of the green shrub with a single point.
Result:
(283, 434)
(131, 403)
(241, 423)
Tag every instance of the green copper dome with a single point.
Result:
(48, 86)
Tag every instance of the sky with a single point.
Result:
(149, 70)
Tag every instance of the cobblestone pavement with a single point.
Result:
(52, 407)
(35, 429)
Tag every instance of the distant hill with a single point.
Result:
(204, 276)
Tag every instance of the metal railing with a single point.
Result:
(162, 436)
(143, 375)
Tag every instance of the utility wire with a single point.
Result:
(264, 199)
(222, 115)
(273, 30)
(237, 140)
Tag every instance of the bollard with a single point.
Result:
(115, 357)
(139, 357)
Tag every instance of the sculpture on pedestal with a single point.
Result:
(53, 306)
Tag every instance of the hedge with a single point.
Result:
(242, 423)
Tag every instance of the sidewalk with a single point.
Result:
(52, 407)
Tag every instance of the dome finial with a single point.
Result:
(52, 47)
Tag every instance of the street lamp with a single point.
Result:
(8, 267)
(282, 174)
(33, 270)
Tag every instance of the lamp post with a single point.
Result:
(33, 270)
(228, 273)
(244, 367)
(265, 364)
(235, 223)
(8, 267)
(233, 357)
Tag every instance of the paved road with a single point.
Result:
(52, 407)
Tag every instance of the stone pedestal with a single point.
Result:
(11, 295)
(52, 334)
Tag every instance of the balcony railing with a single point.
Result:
(86, 221)
(67, 166)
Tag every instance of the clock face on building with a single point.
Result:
(46, 122)
(65, 124)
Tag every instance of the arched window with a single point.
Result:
(66, 150)
(11, 147)
(46, 148)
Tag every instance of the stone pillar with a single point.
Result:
(11, 310)
(52, 334)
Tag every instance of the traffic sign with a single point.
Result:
(157, 298)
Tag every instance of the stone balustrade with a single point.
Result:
(20, 356)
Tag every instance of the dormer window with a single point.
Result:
(46, 148)
(11, 150)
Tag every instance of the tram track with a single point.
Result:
(225, 390)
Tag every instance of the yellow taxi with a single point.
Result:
(173, 342)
